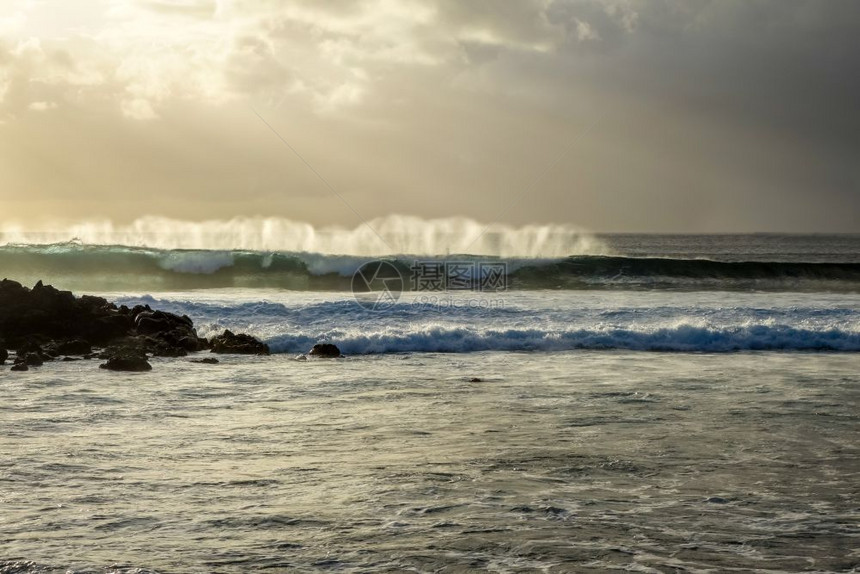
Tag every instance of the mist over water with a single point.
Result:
(390, 235)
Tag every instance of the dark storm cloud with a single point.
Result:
(687, 115)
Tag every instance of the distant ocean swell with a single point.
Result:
(87, 267)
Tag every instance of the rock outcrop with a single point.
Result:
(325, 351)
(240, 344)
(44, 314)
(44, 323)
(69, 347)
(169, 329)
(127, 361)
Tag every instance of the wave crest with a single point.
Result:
(390, 235)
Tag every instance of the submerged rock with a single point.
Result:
(240, 344)
(206, 361)
(325, 351)
(30, 359)
(126, 354)
(20, 367)
(127, 361)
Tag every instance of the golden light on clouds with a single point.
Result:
(711, 113)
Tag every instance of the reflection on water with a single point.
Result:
(582, 461)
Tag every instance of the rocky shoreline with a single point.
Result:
(46, 324)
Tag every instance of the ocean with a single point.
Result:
(645, 403)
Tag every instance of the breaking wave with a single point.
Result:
(683, 338)
(104, 268)
(544, 321)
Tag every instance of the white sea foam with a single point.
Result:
(394, 234)
(683, 338)
(537, 321)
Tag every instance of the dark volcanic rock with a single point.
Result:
(44, 314)
(171, 330)
(127, 360)
(152, 322)
(31, 359)
(107, 326)
(50, 323)
(20, 367)
(30, 346)
(142, 344)
(44, 323)
(325, 351)
(71, 347)
(240, 344)
(161, 348)
(207, 361)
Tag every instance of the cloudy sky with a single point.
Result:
(613, 115)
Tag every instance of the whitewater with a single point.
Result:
(526, 321)
(390, 235)
(625, 403)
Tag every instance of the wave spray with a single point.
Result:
(390, 235)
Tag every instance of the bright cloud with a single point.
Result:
(147, 52)
(42, 106)
(437, 107)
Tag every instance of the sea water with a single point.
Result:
(696, 423)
